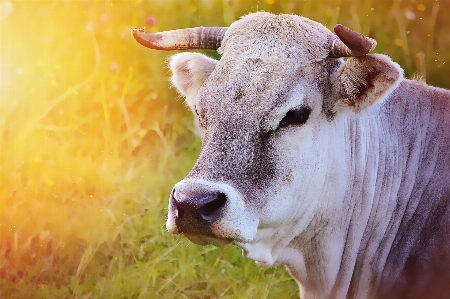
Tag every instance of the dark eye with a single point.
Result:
(295, 117)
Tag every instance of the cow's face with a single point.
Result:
(268, 115)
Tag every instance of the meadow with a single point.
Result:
(93, 137)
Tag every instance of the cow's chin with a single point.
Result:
(206, 240)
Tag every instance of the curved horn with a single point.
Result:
(350, 43)
(182, 39)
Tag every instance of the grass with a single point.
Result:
(92, 139)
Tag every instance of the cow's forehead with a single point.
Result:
(246, 82)
(254, 89)
(264, 56)
(286, 39)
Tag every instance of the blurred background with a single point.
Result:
(93, 137)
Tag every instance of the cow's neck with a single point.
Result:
(342, 259)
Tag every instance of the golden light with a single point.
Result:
(51, 127)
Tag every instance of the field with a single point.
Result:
(93, 137)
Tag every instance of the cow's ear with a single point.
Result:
(365, 80)
(189, 71)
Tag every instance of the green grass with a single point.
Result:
(92, 139)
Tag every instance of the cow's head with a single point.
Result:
(268, 112)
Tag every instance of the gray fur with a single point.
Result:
(356, 201)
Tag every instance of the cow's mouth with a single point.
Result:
(206, 240)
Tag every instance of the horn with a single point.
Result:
(182, 39)
(349, 43)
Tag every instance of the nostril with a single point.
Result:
(211, 210)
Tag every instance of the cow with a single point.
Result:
(338, 169)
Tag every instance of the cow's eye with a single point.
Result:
(295, 117)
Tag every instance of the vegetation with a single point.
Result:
(92, 139)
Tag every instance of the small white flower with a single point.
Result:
(410, 15)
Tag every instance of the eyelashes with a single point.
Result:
(295, 117)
